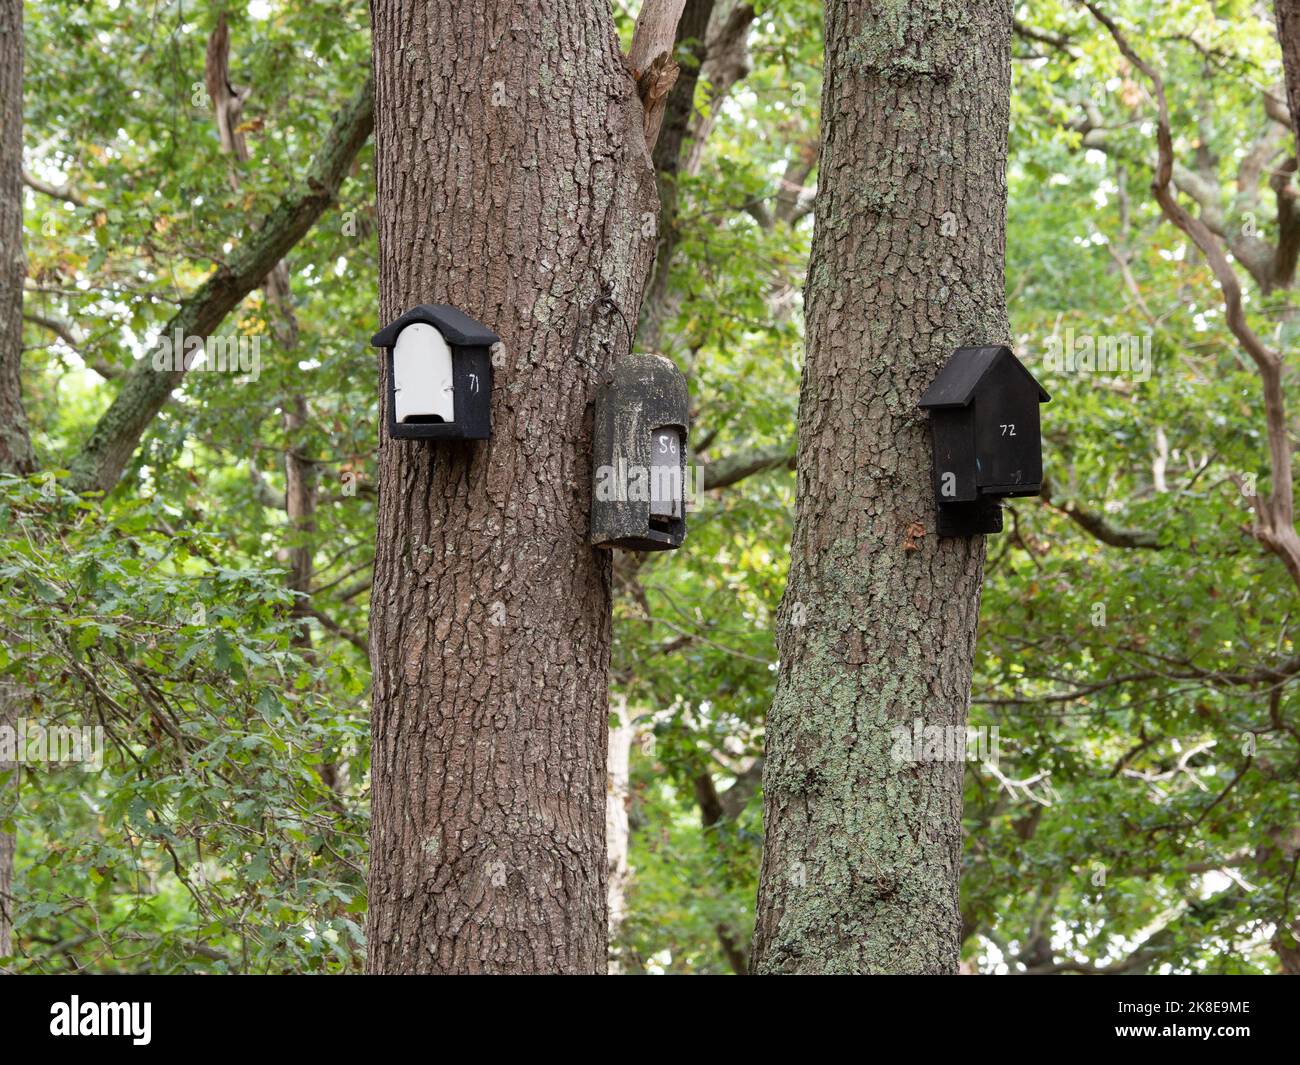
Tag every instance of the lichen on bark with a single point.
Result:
(861, 852)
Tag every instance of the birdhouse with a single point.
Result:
(987, 442)
(438, 374)
(639, 478)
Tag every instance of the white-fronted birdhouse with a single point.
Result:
(639, 478)
(987, 442)
(438, 373)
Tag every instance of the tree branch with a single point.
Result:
(1274, 525)
(652, 62)
(65, 331)
(145, 390)
(727, 61)
(1096, 525)
(55, 192)
(1252, 251)
(338, 630)
(70, 335)
(1058, 41)
(262, 490)
(726, 471)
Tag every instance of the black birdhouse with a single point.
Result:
(439, 373)
(639, 478)
(987, 445)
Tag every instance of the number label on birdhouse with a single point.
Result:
(984, 422)
(437, 374)
(665, 477)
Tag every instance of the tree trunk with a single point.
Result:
(515, 181)
(1287, 14)
(715, 38)
(692, 30)
(8, 841)
(618, 835)
(726, 62)
(862, 853)
(15, 444)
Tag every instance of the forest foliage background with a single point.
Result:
(1136, 647)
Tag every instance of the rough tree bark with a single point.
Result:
(861, 853)
(1287, 14)
(618, 833)
(515, 182)
(15, 443)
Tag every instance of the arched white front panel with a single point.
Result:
(423, 387)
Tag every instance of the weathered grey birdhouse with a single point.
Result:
(438, 368)
(639, 477)
(987, 441)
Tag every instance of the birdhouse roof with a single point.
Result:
(961, 376)
(457, 326)
(654, 384)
